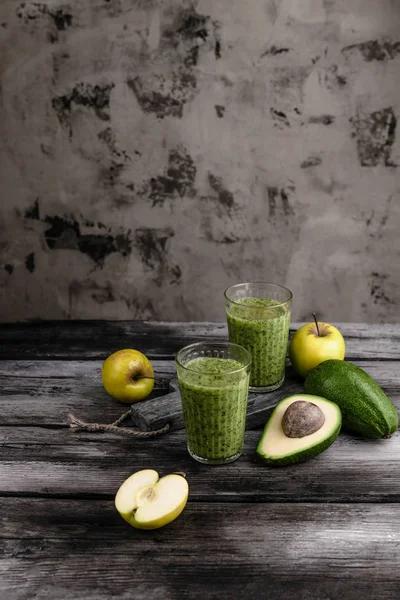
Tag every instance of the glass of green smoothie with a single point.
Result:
(258, 316)
(214, 385)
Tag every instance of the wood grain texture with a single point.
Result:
(325, 529)
(35, 461)
(83, 549)
(168, 409)
(97, 339)
(46, 391)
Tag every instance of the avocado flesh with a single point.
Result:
(278, 449)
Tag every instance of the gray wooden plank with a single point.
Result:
(63, 463)
(46, 391)
(15, 436)
(67, 369)
(82, 549)
(97, 339)
(154, 414)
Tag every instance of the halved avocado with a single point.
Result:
(277, 449)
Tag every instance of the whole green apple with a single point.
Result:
(128, 376)
(314, 343)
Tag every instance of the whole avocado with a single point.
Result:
(365, 407)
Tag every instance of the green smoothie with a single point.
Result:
(214, 403)
(261, 326)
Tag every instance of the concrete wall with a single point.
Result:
(154, 152)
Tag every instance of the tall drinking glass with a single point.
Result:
(258, 316)
(214, 383)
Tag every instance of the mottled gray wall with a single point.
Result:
(154, 152)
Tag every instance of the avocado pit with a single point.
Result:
(302, 418)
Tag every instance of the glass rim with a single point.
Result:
(224, 344)
(249, 306)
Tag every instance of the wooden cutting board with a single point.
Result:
(155, 413)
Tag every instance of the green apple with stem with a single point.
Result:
(314, 343)
(128, 375)
(147, 502)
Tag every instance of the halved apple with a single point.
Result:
(147, 502)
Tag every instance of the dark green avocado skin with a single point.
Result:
(365, 408)
(300, 456)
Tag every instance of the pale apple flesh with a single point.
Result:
(128, 376)
(147, 502)
(311, 346)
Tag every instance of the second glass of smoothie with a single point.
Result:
(258, 316)
(214, 384)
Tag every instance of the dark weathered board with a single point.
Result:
(82, 549)
(46, 391)
(35, 461)
(97, 339)
(155, 413)
(247, 530)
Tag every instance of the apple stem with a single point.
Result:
(316, 323)
(180, 473)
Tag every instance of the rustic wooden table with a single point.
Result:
(326, 529)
